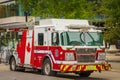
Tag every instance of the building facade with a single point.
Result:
(10, 12)
(11, 16)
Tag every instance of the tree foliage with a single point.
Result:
(81, 9)
(112, 11)
(112, 35)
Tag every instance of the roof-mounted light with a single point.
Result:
(80, 26)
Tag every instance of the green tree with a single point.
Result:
(112, 12)
(81, 9)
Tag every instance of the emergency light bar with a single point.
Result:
(80, 26)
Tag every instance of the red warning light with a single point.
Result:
(48, 29)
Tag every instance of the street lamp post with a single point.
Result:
(27, 13)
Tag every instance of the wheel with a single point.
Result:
(47, 70)
(13, 64)
(85, 74)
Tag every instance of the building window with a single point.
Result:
(40, 38)
(12, 9)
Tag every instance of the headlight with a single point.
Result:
(101, 56)
(69, 56)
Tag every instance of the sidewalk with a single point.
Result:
(113, 57)
(114, 60)
(4, 67)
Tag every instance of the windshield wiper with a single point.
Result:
(91, 36)
(83, 41)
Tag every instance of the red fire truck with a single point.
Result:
(60, 45)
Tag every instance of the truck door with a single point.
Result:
(40, 42)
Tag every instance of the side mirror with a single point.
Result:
(55, 38)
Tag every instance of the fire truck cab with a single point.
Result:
(60, 45)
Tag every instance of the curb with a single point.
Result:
(114, 61)
(114, 70)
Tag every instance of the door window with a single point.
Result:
(40, 38)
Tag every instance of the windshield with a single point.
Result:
(81, 38)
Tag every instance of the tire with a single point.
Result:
(12, 64)
(85, 74)
(47, 69)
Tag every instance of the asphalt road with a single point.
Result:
(6, 74)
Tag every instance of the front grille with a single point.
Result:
(86, 54)
(86, 50)
(86, 58)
